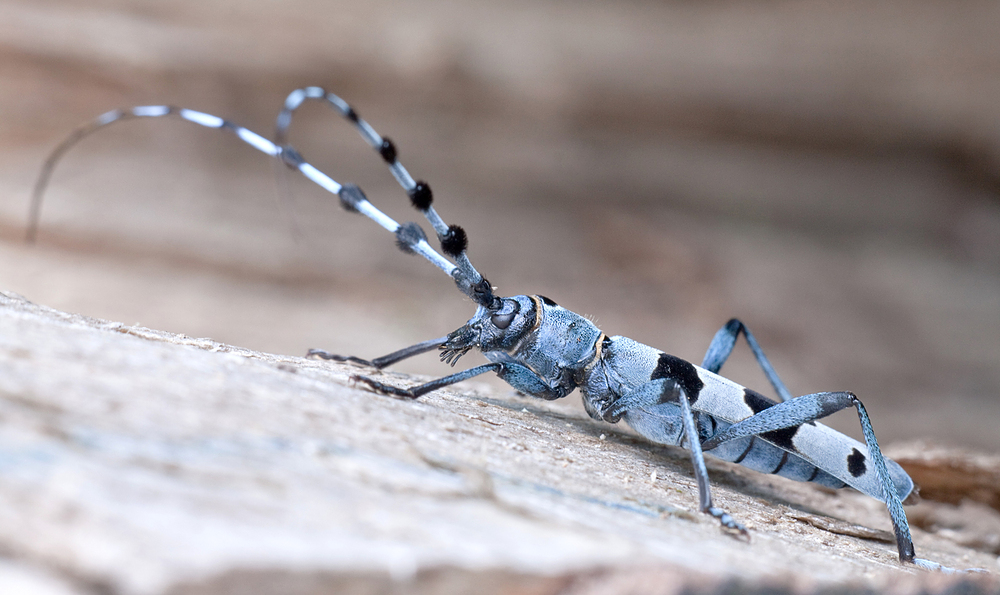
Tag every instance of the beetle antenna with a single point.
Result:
(454, 241)
(409, 236)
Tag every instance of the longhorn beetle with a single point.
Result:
(546, 351)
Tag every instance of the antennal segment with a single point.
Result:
(409, 237)
(454, 241)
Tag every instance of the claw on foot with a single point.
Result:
(728, 523)
(323, 354)
(382, 388)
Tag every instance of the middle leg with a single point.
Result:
(722, 346)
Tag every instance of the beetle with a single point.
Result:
(546, 351)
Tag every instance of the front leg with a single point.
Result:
(422, 389)
(385, 360)
(518, 376)
(525, 380)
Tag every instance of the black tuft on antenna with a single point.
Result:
(387, 150)
(409, 235)
(421, 196)
(350, 196)
(455, 241)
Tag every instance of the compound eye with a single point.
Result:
(505, 316)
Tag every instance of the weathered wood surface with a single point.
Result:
(136, 461)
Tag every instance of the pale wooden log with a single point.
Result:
(136, 461)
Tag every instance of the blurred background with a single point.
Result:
(827, 171)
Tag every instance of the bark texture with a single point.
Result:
(136, 461)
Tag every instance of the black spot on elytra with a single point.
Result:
(856, 463)
(782, 438)
(547, 301)
(680, 371)
(756, 401)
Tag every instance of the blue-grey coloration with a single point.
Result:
(547, 351)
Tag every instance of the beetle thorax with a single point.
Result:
(533, 330)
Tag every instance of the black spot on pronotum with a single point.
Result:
(409, 235)
(350, 196)
(547, 301)
(421, 196)
(682, 372)
(387, 150)
(856, 463)
(455, 241)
